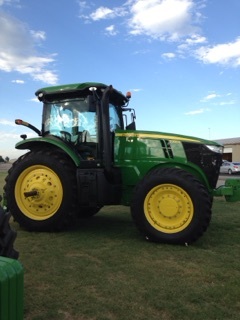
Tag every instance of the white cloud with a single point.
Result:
(136, 90)
(210, 97)
(169, 55)
(82, 5)
(195, 39)
(225, 54)
(191, 42)
(5, 136)
(171, 20)
(106, 13)
(38, 35)
(142, 51)
(7, 123)
(162, 19)
(46, 76)
(102, 13)
(195, 112)
(111, 30)
(2, 2)
(18, 81)
(176, 21)
(34, 99)
(17, 52)
(224, 103)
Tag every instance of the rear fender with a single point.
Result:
(46, 142)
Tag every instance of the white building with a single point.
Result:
(231, 150)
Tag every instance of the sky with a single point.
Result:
(179, 58)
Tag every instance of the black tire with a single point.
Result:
(229, 171)
(170, 205)
(7, 236)
(41, 190)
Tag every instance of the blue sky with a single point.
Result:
(179, 58)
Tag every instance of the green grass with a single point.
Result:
(102, 269)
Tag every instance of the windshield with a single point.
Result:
(68, 119)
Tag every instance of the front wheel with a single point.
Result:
(170, 205)
(41, 190)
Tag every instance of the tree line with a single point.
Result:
(4, 160)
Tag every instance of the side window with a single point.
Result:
(114, 118)
(88, 122)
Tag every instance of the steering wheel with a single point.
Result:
(66, 135)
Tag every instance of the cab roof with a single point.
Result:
(73, 90)
(69, 87)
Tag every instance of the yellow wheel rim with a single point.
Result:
(38, 192)
(168, 208)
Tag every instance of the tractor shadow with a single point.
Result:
(110, 222)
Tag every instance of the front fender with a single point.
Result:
(193, 169)
(133, 171)
(43, 142)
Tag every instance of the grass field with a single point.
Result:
(102, 269)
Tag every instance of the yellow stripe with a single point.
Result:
(155, 136)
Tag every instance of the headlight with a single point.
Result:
(217, 149)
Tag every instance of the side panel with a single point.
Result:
(137, 154)
(96, 188)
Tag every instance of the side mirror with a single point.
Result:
(131, 126)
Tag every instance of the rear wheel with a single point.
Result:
(170, 205)
(41, 190)
(229, 171)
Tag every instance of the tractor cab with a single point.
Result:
(84, 116)
(73, 121)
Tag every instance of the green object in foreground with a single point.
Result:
(11, 289)
(231, 190)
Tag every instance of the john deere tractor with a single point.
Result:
(88, 154)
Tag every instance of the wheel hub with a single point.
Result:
(38, 192)
(168, 208)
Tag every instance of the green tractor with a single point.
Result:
(88, 154)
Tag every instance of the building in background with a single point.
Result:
(231, 150)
